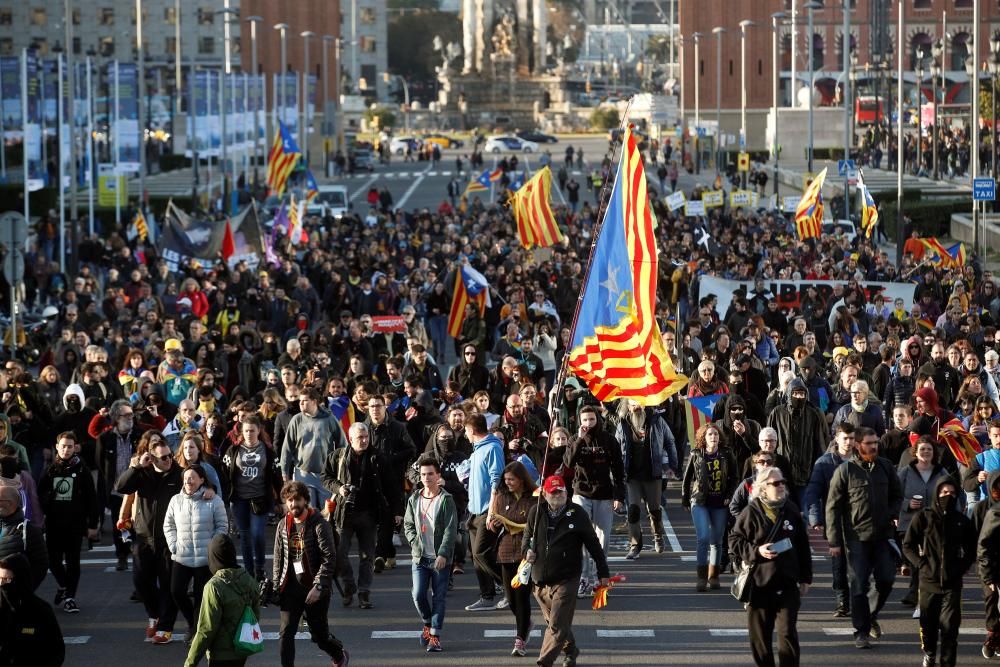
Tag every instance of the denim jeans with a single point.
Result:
(709, 527)
(253, 530)
(426, 577)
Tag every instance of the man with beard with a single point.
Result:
(29, 631)
(862, 526)
(115, 448)
(802, 435)
(644, 438)
(946, 378)
(390, 439)
(517, 424)
(69, 500)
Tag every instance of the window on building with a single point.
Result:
(170, 45)
(959, 50)
(40, 45)
(169, 16)
(817, 52)
(368, 76)
(206, 16)
(234, 46)
(367, 44)
(922, 4)
(701, 68)
(760, 67)
(106, 16)
(920, 48)
(840, 47)
(107, 47)
(206, 45)
(730, 67)
(6, 17)
(76, 17)
(367, 15)
(77, 47)
(786, 52)
(963, 4)
(39, 17)
(6, 46)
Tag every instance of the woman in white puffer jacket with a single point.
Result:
(191, 522)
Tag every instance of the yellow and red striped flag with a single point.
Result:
(809, 212)
(281, 160)
(470, 287)
(141, 228)
(536, 226)
(617, 348)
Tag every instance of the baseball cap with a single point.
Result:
(554, 483)
(172, 344)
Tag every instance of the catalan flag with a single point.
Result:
(312, 190)
(479, 184)
(869, 211)
(938, 254)
(809, 212)
(698, 411)
(470, 287)
(281, 160)
(957, 254)
(343, 409)
(296, 230)
(496, 175)
(617, 348)
(138, 228)
(963, 445)
(536, 226)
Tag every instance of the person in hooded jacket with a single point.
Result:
(312, 436)
(739, 431)
(470, 374)
(928, 417)
(189, 526)
(991, 594)
(940, 541)
(230, 590)
(69, 500)
(802, 435)
(19, 536)
(29, 632)
(901, 386)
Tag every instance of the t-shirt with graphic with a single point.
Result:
(250, 482)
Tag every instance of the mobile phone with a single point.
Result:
(781, 546)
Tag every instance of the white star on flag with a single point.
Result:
(612, 284)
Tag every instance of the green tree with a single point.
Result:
(604, 118)
(386, 118)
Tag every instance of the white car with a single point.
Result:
(398, 145)
(331, 200)
(509, 142)
(845, 227)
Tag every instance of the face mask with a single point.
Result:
(946, 503)
(797, 403)
(11, 595)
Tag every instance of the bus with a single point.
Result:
(868, 110)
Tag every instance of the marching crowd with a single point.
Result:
(187, 413)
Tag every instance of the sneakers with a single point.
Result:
(343, 662)
(122, 564)
(928, 661)
(434, 644)
(569, 660)
(843, 610)
(457, 569)
(482, 604)
(364, 602)
(379, 565)
(633, 552)
(59, 598)
(585, 589)
(658, 545)
(503, 603)
(876, 630)
(519, 648)
(862, 642)
(70, 606)
(425, 636)
(163, 637)
(151, 629)
(988, 650)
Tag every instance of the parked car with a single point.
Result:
(398, 145)
(498, 144)
(846, 227)
(537, 137)
(331, 200)
(362, 158)
(443, 140)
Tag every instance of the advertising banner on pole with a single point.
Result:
(197, 120)
(125, 128)
(214, 119)
(33, 126)
(10, 97)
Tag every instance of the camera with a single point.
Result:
(352, 498)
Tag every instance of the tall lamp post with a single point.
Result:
(937, 51)
(846, 53)
(306, 35)
(994, 67)
(972, 69)
(744, 24)
(327, 40)
(718, 32)
(697, 105)
(282, 28)
(920, 73)
(141, 59)
(253, 21)
(775, 19)
(900, 228)
(224, 101)
(810, 8)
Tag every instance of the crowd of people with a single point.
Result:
(186, 413)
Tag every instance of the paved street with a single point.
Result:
(656, 618)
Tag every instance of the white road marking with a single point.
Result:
(838, 632)
(507, 634)
(396, 634)
(364, 188)
(728, 632)
(82, 639)
(642, 632)
(413, 186)
(668, 530)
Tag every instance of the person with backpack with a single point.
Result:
(226, 596)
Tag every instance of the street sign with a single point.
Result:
(844, 167)
(852, 176)
(13, 229)
(13, 266)
(984, 189)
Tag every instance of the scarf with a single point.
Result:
(519, 425)
(772, 507)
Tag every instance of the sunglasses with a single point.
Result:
(165, 457)
(777, 482)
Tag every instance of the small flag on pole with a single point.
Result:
(809, 212)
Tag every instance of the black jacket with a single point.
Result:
(29, 632)
(107, 456)
(319, 551)
(861, 505)
(337, 473)
(987, 514)
(393, 442)
(67, 495)
(942, 545)
(697, 473)
(802, 438)
(596, 462)
(753, 529)
(559, 557)
(154, 491)
(230, 470)
(19, 536)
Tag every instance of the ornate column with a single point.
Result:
(540, 19)
(469, 35)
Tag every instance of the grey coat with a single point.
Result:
(190, 525)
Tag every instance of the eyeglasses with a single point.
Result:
(165, 457)
(769, 440)
(777, 482)
(470, 354)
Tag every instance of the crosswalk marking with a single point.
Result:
(728, 632)
(396, 634)
(82, 639)
(643, 632)
(507, 634)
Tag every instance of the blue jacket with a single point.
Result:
(486, 469)
(988, 460)
(819, 484)
(767, 351)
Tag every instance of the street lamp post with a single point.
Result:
(327, 39)
(140, 57)
(718, 32)
(846, 53)
(775, 19)
(697, 105)
(282, 28)
(920, 72)
(178, 78)
(71, 83)
(253, 21)
(224, 101)
(900, 40)
(306, 35)
(744, 24)
(994, 67)
(936, 71)
(972, 69)
(680, 96)
(810, 8)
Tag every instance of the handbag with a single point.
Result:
(249, 639)
(743, 581)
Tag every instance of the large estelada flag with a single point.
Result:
(617, 348)
(536, 226)
(698, 411)
(809, 212)
(281, 160)
(470, 287)
(869, 211)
